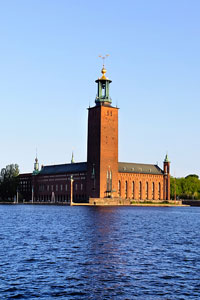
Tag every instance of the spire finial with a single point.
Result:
(104, 57)
(36, 158)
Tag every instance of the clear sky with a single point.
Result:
(49, 63)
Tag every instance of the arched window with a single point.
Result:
(133, 190)
(153, 191)
(140, 190)
(159, 192)
(147, 194)
(107, 180)
(126, 189)
(111, 180)
(119, 188)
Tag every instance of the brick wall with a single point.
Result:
(102, 155)
(143, 186)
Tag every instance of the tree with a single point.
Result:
(192, 175)
(186, 188)
(9, 182)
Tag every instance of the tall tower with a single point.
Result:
(102, 147)
(166, 167)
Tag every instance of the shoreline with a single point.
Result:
(102, 205)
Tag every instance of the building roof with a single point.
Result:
(25, 175)
(65, 168)
(124, 167)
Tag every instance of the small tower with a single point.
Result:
(166, 167)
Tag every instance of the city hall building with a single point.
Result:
(102, 179)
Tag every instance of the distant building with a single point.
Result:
(102, 179)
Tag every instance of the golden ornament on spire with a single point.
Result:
(103, 71)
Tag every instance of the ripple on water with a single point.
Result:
(96, 253)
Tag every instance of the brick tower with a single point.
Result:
(102, 144)
(166, 167)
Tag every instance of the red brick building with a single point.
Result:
(102, 179)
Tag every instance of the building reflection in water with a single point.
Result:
(103, 261)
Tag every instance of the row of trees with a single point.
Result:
(9, 182)
(185, 187)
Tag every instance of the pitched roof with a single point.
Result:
(124, 167)
(65, 168)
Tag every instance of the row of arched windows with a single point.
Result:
(140, 195)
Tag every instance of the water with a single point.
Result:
(50, 252)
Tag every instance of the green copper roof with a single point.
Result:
(166, 158)
(36, 172)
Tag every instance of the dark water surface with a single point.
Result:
(50, 252)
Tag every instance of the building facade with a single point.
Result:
(102, 176)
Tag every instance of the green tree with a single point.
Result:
(9, 182)
(186, 188)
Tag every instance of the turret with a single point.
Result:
(166, 167)
(36, 166)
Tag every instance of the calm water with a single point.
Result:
(50, 252)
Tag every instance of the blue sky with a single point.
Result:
(48, 67)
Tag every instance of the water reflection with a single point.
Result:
(102, 262)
